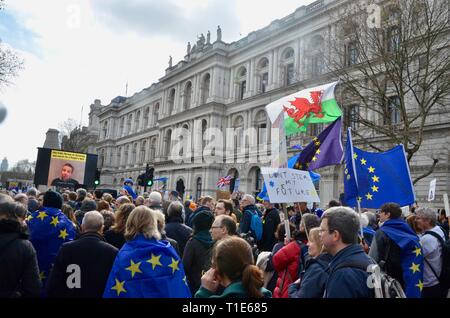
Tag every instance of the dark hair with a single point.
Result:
(7, 209)
(345, 221)
(52, 199)
(228, 223)
(333, 203)
(233, 258)
(68, 211)
(98, 193)
(227, 205)
(392, 208)
(69, 165)
(281, 231)
(72, 196)
(108, 219)
(103, 205)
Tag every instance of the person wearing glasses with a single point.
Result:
(222, 227)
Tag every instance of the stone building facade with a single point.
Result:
(224, 85)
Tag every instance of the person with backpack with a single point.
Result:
(312, 280)
(251, 220)
(443, 223)
(433, 244)
(348, 268)
(396, 248)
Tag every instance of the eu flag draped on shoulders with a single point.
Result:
(376, 178)
(49, 229)
(324, 150)
(147, 268)
(411, 256)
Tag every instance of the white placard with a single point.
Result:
(288, 185)
(405, 211)
(446, 205)
(432, 191)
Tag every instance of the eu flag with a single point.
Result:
(147, 268)
(49, 229)
(411, 255)
(324, 150)
(376, 178)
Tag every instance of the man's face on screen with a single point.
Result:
(66, 173)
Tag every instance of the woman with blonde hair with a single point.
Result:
(311, 283)
(233, 269)
(146, 266)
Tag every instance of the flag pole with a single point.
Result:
(358, 203)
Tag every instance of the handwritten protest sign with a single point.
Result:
(289, 185)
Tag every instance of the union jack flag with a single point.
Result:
(224, 181)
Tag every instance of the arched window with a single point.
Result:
(316, 56)
(146, 117)
(260, 124)
(256, 178)
(142, 151)
(105, 129)
(234, 182)
(130, 119)
(102, 158)
(205, 88)
(238, 125)
(156, 114)
(288, 65)
(122, 126)
(127, 150)
(171, 102)
(167, 143)
(119, 157)
(133, 154)
(137, 120)
(198, 189)
(187, 96)
(263, 74)
(242, 82)
(153, 149)
(352, 54)
(204, 127)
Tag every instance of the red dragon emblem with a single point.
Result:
(303, 108)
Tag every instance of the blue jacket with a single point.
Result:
(348, 282)
(313, 279)
(244, 225)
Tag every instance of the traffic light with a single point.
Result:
(149, 176)
(97, 177)
(141, 180)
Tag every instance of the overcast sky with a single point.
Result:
(76, 51)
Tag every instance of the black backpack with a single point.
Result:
(444, 278)
(384, 286)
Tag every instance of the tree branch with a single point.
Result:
(430, 171)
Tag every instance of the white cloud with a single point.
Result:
(82, 57)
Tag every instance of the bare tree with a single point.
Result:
(398, 72)
(72, 137)
(10, 63)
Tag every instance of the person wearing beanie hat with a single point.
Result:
(52, 199)
(49, 228)
(197, 253)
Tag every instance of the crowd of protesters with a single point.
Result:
(206, 248)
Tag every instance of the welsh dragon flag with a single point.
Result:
(309, 106)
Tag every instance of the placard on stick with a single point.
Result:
(288, 185)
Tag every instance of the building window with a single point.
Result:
(105, 129)
(127, 149)
(168, 142)
(122, 126)
(133, 154)
(136, 121)
(198, 189)
(187, 96)
(153, 149)
(290, 76)
(142, 152)
(289, 53)
(352, 54)
(258, 180)
(242, 89)
(393, 39)
(156, 114)
(171, 102)
(130, 119)
(394, 116)
(205, 88)
(146, 117)
(351, 115)
(317, 64)
(119, 157)
(316, 129)
(264, 82)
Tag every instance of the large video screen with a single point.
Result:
(65, 170)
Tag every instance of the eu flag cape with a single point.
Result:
(411, 256)
(49, 229)
(147, 268)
